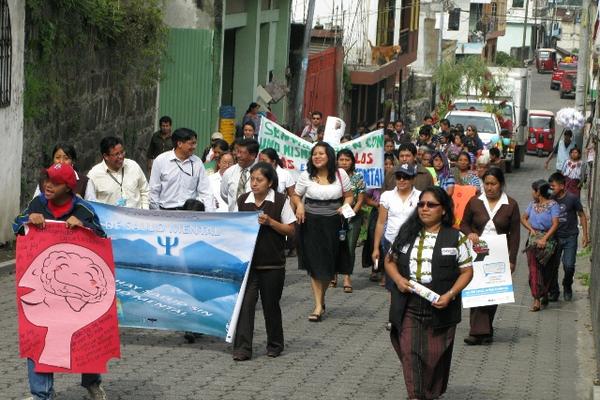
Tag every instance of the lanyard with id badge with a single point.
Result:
(122, 200)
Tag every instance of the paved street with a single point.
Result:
(348, 355)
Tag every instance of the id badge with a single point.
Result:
(121, 202)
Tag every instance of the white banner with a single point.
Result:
(294, 152)
(492, 280)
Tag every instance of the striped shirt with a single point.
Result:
(422, 253)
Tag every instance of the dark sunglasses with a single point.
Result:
(429, 204)
(404, 177)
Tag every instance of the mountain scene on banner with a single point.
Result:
(198, 258)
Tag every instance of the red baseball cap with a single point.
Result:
(63, 173)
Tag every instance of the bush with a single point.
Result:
(506, 60)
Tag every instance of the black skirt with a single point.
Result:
(321, 252)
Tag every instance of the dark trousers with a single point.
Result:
(482, 320)
(566, 250)
(367, 259)
(269, 284)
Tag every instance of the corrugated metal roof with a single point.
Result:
(186, 88)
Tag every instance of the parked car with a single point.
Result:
(559, 72)
(541, 132)
(568, 84)
(545, 60)
(486, 123)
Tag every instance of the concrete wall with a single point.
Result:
(11, 121)
(514, 37)
(186, 14)
(461, 35)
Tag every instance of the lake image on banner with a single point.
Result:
(179, 270)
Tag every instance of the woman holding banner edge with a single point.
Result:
(267, 270)
(322, 246)
(491, 213)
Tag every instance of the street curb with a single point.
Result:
(595, 393)
(7, 267)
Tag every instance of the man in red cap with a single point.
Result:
(58, 202)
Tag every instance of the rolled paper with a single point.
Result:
(423, 291)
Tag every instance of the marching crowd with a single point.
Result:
(412, 233)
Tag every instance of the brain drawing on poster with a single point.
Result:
(65, 297)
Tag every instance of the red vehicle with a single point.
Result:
(559, 72)
(568, 84)
(541, 132)
(545, 60)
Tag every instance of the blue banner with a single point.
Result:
(180, 270)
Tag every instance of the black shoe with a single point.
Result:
(544, 300)
(478, 340)
(568, 294)
(273, 353)
(554, 296)
(388, 326)
(241, 357)
(473, 340)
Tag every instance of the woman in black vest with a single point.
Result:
(267, 270)
(428, 251)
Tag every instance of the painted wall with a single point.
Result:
(462, 34)
(513, 37)
(11, 120)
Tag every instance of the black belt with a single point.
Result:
(322, 202)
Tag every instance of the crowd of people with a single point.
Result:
(412, 235)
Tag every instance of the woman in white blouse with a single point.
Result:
(323, 250)
(430, 252)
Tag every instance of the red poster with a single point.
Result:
(461, 196)
(66, 299)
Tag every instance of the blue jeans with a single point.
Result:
(566, 249)
(41, 384)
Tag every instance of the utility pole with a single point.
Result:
(440, 59)
(299, 99)
(525, 31)
(583, 63)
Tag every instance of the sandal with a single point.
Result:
(316, 317)
(535, 307)
(333, 283)
(347, 289)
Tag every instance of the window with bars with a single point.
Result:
(5, 54)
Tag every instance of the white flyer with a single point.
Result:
(423, 291)
(347, 211)
(492, 280)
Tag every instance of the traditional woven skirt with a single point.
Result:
(425, 353)
(321, 252)
(572, 186)
(540, 276)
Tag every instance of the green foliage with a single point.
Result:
(127, 36)
(506, 60)
(468, 76)
(584, 278)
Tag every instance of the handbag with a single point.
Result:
(542, 255)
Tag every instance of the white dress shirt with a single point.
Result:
(229, 185)
(285, 180)
(173, 181)
(215, 185)
(126, 187)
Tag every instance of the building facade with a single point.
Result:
(12, 42)
(218, 53)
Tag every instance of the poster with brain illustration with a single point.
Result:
(66, 299)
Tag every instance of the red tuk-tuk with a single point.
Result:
(541, 132)
(545, 60)
(567, 84)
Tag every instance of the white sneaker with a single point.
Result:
(96, 392)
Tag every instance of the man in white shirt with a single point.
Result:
(179, 175)
(236, 180)
(117, 180)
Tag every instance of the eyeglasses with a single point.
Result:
(429, 204)
(403, 177)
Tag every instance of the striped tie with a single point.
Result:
(241, 189)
